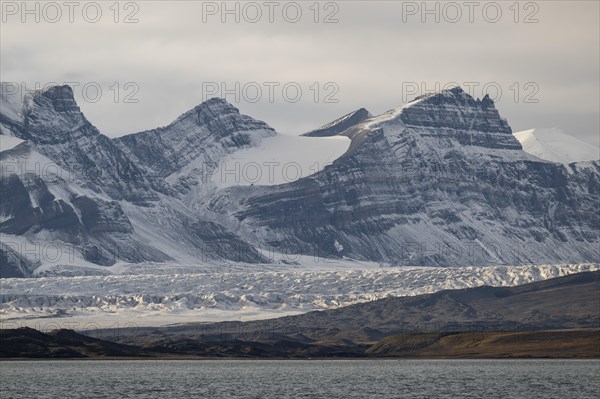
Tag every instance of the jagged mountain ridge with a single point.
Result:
(69, 184)
(439, 181)
(54, 124)
(214, 123)
(185, 153)
(442, 169)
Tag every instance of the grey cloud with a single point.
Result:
(369, 54)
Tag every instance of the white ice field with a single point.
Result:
(99, 301)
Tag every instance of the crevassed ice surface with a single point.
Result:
(152, 300)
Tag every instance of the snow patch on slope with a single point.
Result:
(8, 142)
(11, 101)
(279, 159)
(552, 144)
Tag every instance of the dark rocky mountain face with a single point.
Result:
(185, 153)
(439, 181)
(54, 125)
(69, 184)
(13, 264)
(457, 110)
(65, 182)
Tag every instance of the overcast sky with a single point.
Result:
(541, 58)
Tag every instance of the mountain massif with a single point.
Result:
(439, 181)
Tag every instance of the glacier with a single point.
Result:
(89, 302)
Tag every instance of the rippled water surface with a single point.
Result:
(301, 379)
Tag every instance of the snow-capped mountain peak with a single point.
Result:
(454, 108)
(213, 106)
(449, 108)
(197, 138)
(46, 116)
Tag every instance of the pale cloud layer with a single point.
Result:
(372, 56)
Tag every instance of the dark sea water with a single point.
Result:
(302, 379)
